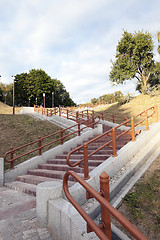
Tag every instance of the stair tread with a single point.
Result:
(40, 178)
(23, 187)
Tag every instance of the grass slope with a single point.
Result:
(131, 109)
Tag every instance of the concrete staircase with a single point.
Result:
(54, 169)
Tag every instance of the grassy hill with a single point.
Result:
(132, 108)
(5, 109)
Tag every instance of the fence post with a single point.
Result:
(40, 145)
(105, 215)
(146, 120)
(61, 135)
(156, 112)
(79, 130)
(12, 166)
(85, 152)
(77, 116)
(114, 142)
(113, 118)
(93, 122)
(133, 129)
(59, 111)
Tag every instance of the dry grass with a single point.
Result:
(5, 109)
(128, 110)
(17, 130)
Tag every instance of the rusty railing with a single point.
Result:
(103, 230)
(40, 140)
(113, 134)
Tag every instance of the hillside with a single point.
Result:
(132, 108)
(5, 109)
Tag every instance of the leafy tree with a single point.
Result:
(134, 59)
(6, 93)
(29, 87)
(158, 37)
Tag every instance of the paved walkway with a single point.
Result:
(18, 217)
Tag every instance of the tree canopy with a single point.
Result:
(134, 59)
(29, 89)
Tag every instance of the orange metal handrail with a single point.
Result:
(104, 230)
(114, 137)
(40, 140)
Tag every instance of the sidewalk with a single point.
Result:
(18, 217)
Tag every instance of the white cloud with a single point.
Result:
(72, 40)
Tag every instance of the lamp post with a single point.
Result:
(13, 77)
(5, 98)
(36, 100)
(52, 99)
(44, 99)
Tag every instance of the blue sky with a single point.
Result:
(71, 40)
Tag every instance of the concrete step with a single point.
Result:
(93, 163)
(50, 173)
(33, 179)
(62, 167)
(22, 187)
(78, 157)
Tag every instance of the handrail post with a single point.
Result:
(133, 129)
(40, 145)
(102, 116)
(86, 170)
(79, 130)
(59, 111)
(54, 111)
(42, 110)
(67, 113)
(146, 120)
(93, 122)
(87, 119)
(77, 116)
(114, 142)
(61, 135)
(105, 215)
(156, 112)
(12, 166)
(47, 112)
(38, 109)
(113, 118)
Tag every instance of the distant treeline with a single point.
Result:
(109, 98)
(31, 87)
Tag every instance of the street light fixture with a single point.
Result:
(13, 77)
(44, 99)
(5, 98)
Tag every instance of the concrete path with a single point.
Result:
(18, 217)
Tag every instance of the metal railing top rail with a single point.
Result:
(111, 133)
(40, 140)
(106, 208)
